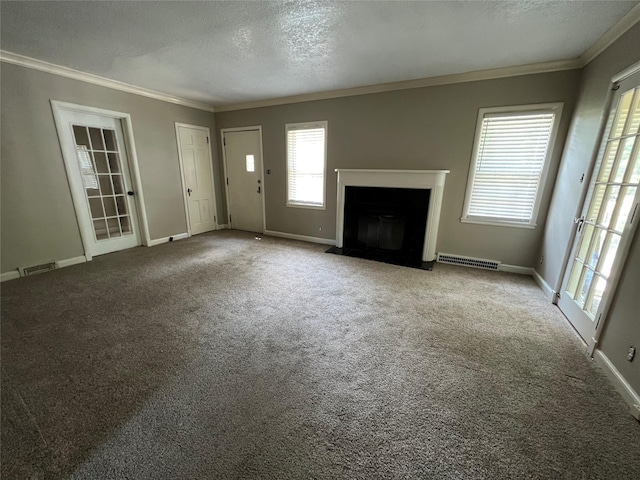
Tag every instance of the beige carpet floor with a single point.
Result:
(222, 356)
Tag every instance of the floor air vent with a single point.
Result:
(45, 267)
(468, 261)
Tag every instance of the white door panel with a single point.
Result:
(197, 170)
(244, 179)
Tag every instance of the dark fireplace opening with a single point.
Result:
(385, 224)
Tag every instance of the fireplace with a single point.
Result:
(389, 215)
(385, 224)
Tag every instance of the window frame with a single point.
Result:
(306, 126)
(556, 109)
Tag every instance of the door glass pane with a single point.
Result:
(109, 206)
(624, 208)
(608, 160)
(583, 286)
(81, 136)
(634, 176)
(121, 202)
(101, 162)
(596, 203)
(105, 185)
(114, 162)
(596, 247)
(118, 185)
(634, 123)
(621, 115)
(95, 206)
(609, 254)
(96, 138)
(609, 207)
(595, 296)
(250, 163)
(573, 279)
(110, 139)
(114, 227)
(100, 228)
(125, 225)
(585, 242)
(623, 160)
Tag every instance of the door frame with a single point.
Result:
(57, 108)
(224, 161)
(182, 178)
(623, 249)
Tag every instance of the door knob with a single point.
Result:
(130, 193)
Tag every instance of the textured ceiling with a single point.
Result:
(228, 52)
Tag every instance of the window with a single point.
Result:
(306, 164)
(509, 164)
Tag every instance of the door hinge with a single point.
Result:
(229, 218)
(207, 140)
(224, 140)
(558, 296)
(227, 180)
(615, 87)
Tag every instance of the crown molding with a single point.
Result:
(625, 23)
(28, 62)
(474, 76)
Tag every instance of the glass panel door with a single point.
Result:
(611, 201)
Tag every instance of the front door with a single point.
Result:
(243, 162)
(98, 171)
(197, 171)
(609, 216)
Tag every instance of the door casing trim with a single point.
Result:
(57, 108)
(224, 180)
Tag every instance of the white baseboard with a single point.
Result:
(67, 262)
(222, 226)
(9, 276)
(548, 291)
(159, 241)
(515, 269)
(619, 382)
(304, 238)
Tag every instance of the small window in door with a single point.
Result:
(251, 163)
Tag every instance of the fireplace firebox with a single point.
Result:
(386, 224)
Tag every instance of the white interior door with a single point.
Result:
(243, 163)
(197, 173)
(609, 216)
(98, 170)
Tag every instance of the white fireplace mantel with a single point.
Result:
(423, 179)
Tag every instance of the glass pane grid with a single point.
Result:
(99, 156)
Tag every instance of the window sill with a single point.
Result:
(305, 205)
(497, 223)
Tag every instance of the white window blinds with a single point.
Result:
(306, 159)
(511, 152)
